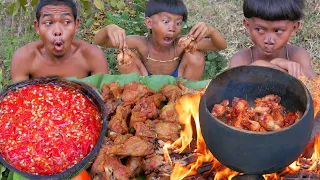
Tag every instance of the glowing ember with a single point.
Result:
(188, 110)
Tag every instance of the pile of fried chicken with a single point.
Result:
(140, 121)
(266, 115)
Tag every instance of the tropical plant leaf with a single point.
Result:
(34, 2)
(99, 4)
(155, 82)
(23, 4)
(2, 169)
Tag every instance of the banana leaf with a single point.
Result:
(155, 82)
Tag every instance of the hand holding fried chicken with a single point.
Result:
(188, 43)
(126, 57)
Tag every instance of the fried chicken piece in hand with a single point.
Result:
(118, 122)
(134, 91)
(124, 57)
(169, 113)
(110, 168)
(219, 110)
(188, 43)
(172, 92)
(129, 145)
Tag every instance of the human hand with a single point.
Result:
(291, 67)
(200, 31)
(117, 36)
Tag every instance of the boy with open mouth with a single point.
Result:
(270, 24)
(163, 50)
(57, 53)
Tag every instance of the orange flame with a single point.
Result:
(188, 111)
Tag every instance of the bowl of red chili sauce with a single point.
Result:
(51, 128)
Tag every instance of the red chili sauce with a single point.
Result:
(46, 129)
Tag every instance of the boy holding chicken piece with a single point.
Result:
(163, 50)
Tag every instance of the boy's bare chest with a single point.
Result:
(161, 63)
(74, 66)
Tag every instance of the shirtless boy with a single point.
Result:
(270, 24)
(159, 52)
(57, 53)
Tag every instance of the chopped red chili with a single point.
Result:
(46, 129)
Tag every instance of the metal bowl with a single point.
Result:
(88, 92)
(256, 152)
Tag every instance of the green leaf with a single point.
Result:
(125, 15)
(34, 2)
(212, 56)
(13, 9)
(109, 14)
(85, 8)
(2, 167)
(99, 4)
(89, 22)
(155, 82)
(138, 29)
(120, 5)
(113, 3)
(23, 4)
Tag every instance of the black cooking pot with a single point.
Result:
(88, 92)
(256, 152)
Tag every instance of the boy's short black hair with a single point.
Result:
(68, 3)
(274, 10)
(171, 6)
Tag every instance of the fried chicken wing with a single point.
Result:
(135, 165)
(110, 168)
(157, 98)
(146, 108)
(219, 110)
(112, 90)
(118, 122)
(188, 43)
(169, 113)
(291, 117)
(167, 131)
(134, 91)
(153, 163)
(172, 92)
(251, 125)
(145, 129)
(267, 122)
(124, 58)
(130, 146)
